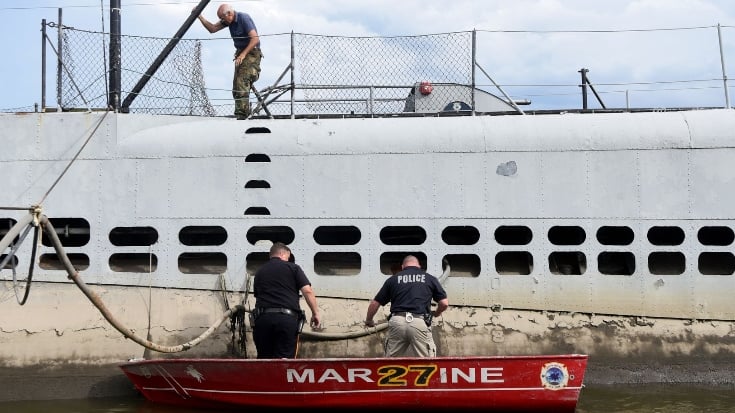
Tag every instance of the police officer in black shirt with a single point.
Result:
(277, 315)
(410, 293)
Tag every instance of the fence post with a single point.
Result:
(474, 65)
(43, 65)
(115, 56)
(293, 79)
(59, 63)
(584, 71)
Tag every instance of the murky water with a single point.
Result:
(594, 399)
(657, 398)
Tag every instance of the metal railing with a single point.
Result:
(328, 74)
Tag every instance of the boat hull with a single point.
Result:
(502, 383)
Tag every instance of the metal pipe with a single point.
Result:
(722, 62)
(59, 63)
(115, 56)
(474, 63)
(508, 98)
(293, 80)
(43, 65)
(14, 231)
(584, 71)
(163, 55)
(599, 99)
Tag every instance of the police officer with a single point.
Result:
(410, 293)
(277, 313)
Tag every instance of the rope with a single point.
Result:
(97, 302)
(319, 335)
(223, 289)
(237, 322)
(25, 223)
(15, 230)
(13, 249)
(236, 314)
(74, 158)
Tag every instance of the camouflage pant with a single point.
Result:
(245, 75)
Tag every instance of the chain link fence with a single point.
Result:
(377, 75)
(333, 75)
(177, 87)
(337, 75)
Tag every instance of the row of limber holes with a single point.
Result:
(74, 232)
(462, 265)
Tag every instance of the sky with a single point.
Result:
(639, 53)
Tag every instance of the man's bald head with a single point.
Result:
(224, 9)
(410, 261)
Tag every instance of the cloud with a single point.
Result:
(521, 44)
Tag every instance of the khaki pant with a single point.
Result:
(245, 75)
(409, 338)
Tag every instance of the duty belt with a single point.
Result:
(277, 310)
(409, 315)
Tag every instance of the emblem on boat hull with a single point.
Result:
(554, 376)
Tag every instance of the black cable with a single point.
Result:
(84, 6)
(11, 256)
(30, 267)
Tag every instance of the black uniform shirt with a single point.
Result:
(411, 290)
(277, 284)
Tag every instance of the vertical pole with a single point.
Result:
(724, 72)
(584, 71)
(115, 56)
(125, 105)
(43, 65)
(474, 63)
(293, 79)
(371, 108)
(59, 62)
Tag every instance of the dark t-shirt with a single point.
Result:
(277, 284)
(239, 29)
(411, 290)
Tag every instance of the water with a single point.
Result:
(669, 398)
(594, 399)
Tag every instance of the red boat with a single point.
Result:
(494, 383)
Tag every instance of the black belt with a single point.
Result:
(278, 310)
(405, 313)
